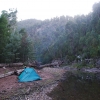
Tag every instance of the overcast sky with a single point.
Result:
(47, 9)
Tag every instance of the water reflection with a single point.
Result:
(78, 86)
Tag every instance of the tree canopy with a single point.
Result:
(62, 37)
(14, 44)
(67, 37)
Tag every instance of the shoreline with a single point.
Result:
(36, 90)
(42, 94)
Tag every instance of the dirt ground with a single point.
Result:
(10, 87)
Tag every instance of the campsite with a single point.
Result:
(50, 50)
(48, 83)
(12, 89)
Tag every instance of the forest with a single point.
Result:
(15, 46)
(66, 38)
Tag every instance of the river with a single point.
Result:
(77, 86)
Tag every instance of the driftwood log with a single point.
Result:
(6, 74)
(4, 65)
(17, 72)
(35, 65)
(16, 64)
(11, 65)
(11, 73)
(55, 64)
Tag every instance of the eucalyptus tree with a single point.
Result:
(11, 51)
(4, 33)
(9, 38)
(26, 47)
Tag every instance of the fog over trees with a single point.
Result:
(62, 37)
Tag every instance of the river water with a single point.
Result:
(77, 86)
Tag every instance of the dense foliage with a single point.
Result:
(67, 37)
(44, 35)
(14, 45)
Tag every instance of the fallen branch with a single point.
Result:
(6, 74)
(16, 64)
(4, 65)
(49, 65)
(11, 65)
(17, 72)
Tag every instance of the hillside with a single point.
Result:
(44, 33)
(66, 37)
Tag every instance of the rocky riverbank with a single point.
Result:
(11, 89)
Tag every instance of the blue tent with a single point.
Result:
(29, 74)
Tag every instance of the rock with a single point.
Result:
(98, 64)
(28, 90)
(3, 91)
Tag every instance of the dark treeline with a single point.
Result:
(65, 38)
(14, 45)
